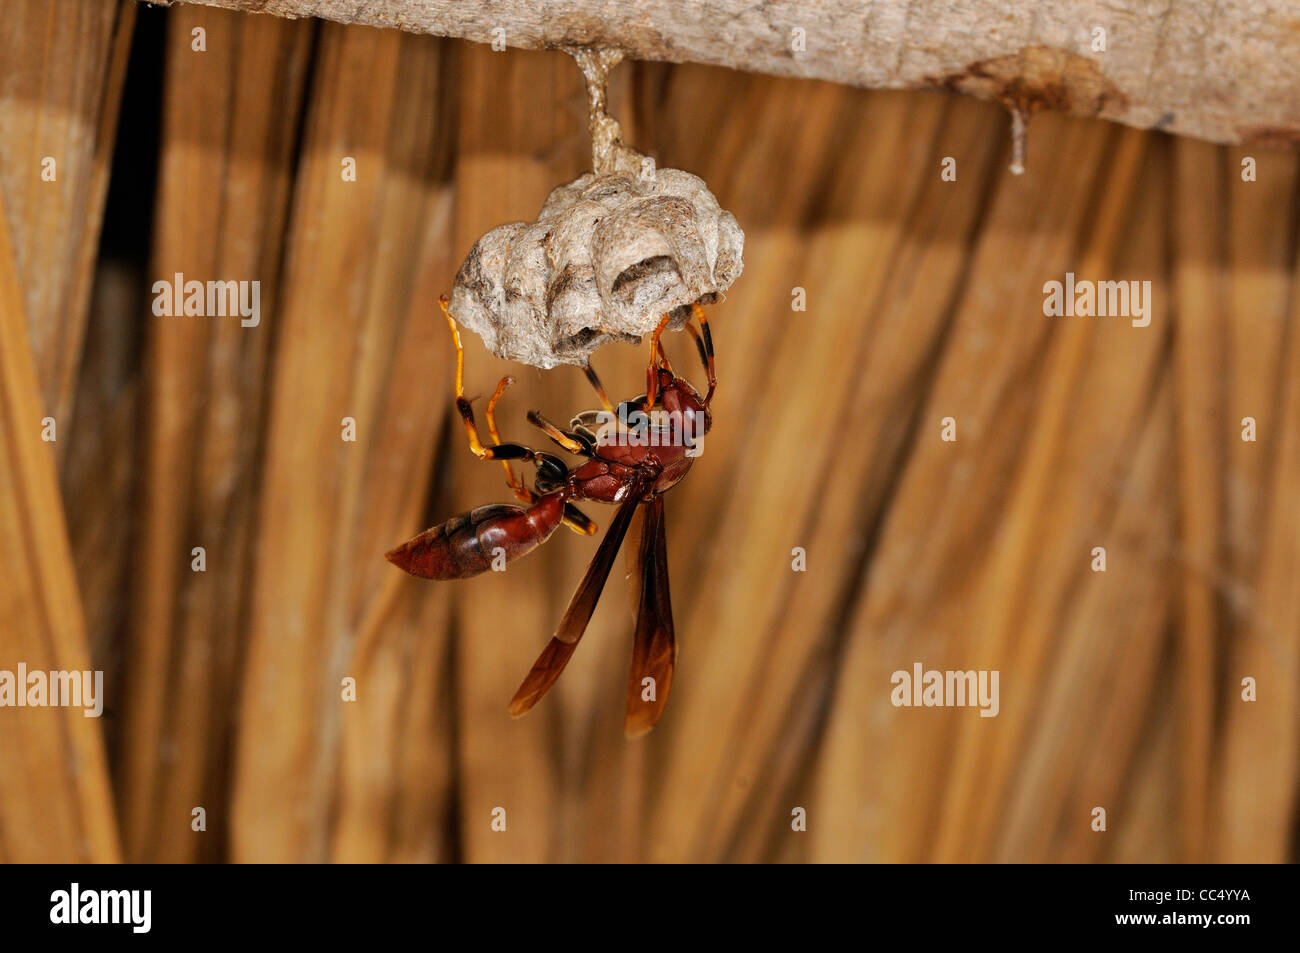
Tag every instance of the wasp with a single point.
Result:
(629, 457)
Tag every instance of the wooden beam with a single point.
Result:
(1223, 72)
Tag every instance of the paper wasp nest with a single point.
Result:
(610, 253)
(608, 256)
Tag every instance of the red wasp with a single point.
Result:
(631, 455)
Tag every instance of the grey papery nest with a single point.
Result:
(608, 256)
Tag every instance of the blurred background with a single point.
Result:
(1119, 689)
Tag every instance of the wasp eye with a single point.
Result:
(632, 415)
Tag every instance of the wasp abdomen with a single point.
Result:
(470, 543)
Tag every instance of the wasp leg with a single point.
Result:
(496, 450)
(598, 386)
(455, 339)
(521, 492)
(463, 405)
(704, 344)
(652, 369)
(567, 440)
(578, 521)
(663, 358)
(573, 517)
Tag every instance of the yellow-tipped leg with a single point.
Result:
(555, 433)
(490, 414)
(463, 405)
(652, 369)
(598, 387)
(455, 339)
(704, 342)
(520, 491)
(578, 521)
(663, 359)
(466, 411)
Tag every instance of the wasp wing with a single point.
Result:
(556, 655)
(583, 603)
(654, 648)
(632, 546)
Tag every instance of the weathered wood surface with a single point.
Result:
(1224, 72)
(56, 804)
(318, 777)
(62, 63)
(230, 119)
(61, 68)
